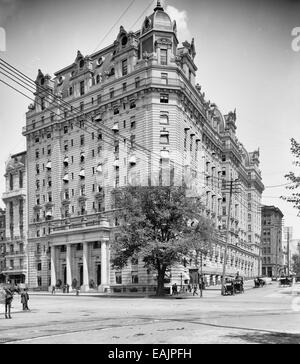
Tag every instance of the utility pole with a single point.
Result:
(227, 238)
(288, 252)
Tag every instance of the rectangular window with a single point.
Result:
(82, 106)
(137, 82)
(21, 179)
(124, 86)
(81, 88)
(134, 277)
(81, 140)
(118, 277)
(164, 98)
(124, 67)
(132, 123)
(164, 138)
(163, 57)
(164, 78)
(111, 93)
(164, 118)
(132, 104)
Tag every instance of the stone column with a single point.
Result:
(69, 265)
(53, 266)
(85, 259)
(104, 280)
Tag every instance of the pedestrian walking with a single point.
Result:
(53, 290)
(174, 289)
(24, 300)
(68, 288)
(9, 296)
(195, 291)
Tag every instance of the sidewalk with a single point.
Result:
(212, 290)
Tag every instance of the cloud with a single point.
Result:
(181, 18)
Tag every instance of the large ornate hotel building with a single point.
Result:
(131, 113)
(14, 243)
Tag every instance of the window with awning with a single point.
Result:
(116, 163)
(49, 213)
(82, 156)
(82, 173)
(115, 127)
(132, 159)
(66, 160)
(99, 168)
(164, 154)
(48, 165)
(66, 178)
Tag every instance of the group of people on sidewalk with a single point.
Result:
(8, 291)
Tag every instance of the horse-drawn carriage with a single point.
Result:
(238, 285)
(233, 286)
(286, 281)
(259, 282)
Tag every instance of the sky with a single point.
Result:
(245, 60)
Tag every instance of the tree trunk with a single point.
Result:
(160, 282)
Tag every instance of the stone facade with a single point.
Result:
(273, 264)
(14, 197)
(2, 244)
(131, 114)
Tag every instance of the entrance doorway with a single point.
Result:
(65, 274)
(98, 274)
(81, 274)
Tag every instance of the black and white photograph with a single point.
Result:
(149, 174)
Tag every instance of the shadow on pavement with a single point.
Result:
(268, 338)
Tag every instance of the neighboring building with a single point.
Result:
(272, 245)
(131, 114)
(15, 267)
(2, 244)
(290, 247)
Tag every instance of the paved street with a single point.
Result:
(263, 315)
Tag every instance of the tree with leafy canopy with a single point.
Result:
(161, 225)
(296, 262)
(293, 178)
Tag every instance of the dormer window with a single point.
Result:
(82, 174)
(81, 88)
(163, 57)
(124, 67)
(124, 40)
(60, 80)
(81, 63)
(115, 128)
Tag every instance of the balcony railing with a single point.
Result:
(14, 269)
(80, 221)
(14, 193)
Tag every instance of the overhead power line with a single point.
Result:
(117, 22)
